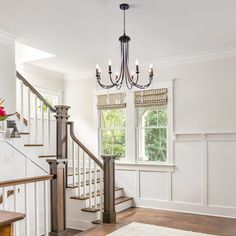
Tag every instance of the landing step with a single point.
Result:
(47, 156)
(117, 202)
(82, 184)
(34, 145)
(24, 133)
(87, 195)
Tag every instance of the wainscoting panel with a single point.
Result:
(128, 180)
(221, 173)
(159, 183)
(202, 180)
(187, 178)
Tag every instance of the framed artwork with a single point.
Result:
(1, 126)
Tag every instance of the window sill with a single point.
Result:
(145, 166)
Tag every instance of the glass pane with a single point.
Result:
(113, 142)
(162, 116)
(155, 144)
(114, 118)
(147, 117)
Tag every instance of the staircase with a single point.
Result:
(90, 191)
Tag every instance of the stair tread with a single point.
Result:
(118, 201)
(70, 171)
(47, 156)
(24, 133)
(34, 145)
(87, 195)
(77, 185)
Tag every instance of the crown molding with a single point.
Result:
(201, 56)
(191, 58)
(7, 37)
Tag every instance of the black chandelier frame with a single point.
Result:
(131, 80)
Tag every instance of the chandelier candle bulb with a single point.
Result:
(137, 68)
(151, 68)
(97, 69)
(109, 66)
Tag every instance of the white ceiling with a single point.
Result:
(83, 33)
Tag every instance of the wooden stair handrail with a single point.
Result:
(81, 145)
(25, 180)
(33, 90)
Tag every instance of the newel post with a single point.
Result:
(58, 196)
(58, 168)
(109, 214)
(62, 118)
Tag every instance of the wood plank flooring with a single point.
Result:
(184, 221)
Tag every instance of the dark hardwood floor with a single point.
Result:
(184, 221)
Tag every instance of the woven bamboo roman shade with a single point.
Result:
(111, 101)
(148, 98)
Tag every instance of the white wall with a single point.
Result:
(204, 149)
(7, 71)
(42, 78)
(79, 94)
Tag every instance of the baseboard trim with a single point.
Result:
(229, 212)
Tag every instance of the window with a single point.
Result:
(51, 99)
(112, 132)
(152, 133)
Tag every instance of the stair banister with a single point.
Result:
(108, 168)
(34, 91)
(82, 146)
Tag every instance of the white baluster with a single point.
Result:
(21, 106)
(84, 175)
(46, 208)
(26, 212)
(95, 185)
(90, 184)
(42, 121)
(49, 130)
(36, 209)
(29, 113)
(79, 173)
(15, 209)
(73, 163)
(4, 198)
(36, 118)
(101, 193)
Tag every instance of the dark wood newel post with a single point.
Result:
(58, 197)
(109, 214)
(58, 168)
(62, 119)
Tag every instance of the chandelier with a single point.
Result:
(131, 79)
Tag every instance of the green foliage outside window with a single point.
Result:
(113, 132)
(153, 133)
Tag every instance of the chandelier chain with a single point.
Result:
(124, 22)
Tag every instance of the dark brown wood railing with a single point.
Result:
(34, 91)
(25, 180)
(82, 146)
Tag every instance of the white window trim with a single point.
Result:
(131, 160)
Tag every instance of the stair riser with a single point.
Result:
(124, 205)
(118, 194)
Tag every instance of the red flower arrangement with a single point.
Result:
(3, 114)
